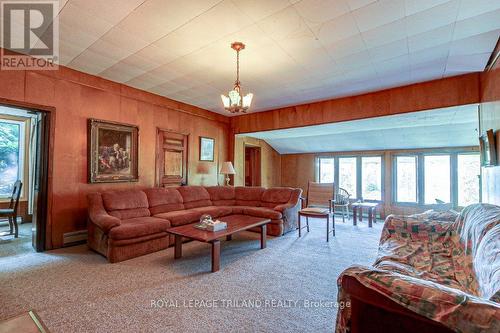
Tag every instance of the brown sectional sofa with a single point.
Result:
(131, 223)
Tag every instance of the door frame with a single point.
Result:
(259, 162)
(44, 210)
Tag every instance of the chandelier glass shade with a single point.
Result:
(235, 101)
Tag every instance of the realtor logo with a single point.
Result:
(30, 35)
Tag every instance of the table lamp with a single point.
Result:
(227, 169)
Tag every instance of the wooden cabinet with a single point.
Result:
(171, 158)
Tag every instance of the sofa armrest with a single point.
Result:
(98, 214)
(437, 302)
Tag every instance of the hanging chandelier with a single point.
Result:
(235, 102)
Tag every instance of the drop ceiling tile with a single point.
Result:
(432, 18)
(283, 24)
(469, 63)
(438, 53)
(477, 24)
(483, 43)
(378, 14)
(354, 61)
(355, 4)
(221, 20)
(431, 38)
(385, 34)
(163, 17)
(91, 62)
(121, 72)
(113, 11)
(318, 11)
(415, 6)
(346, 47)
(258, 10)
(391, 66)
(73, 17)
(471, 8)
(388, 51)
(337, 29)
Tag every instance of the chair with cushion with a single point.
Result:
(11, 212)
(342, 201)
(318, 205)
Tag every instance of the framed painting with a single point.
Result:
(207, 147)
(112, 152)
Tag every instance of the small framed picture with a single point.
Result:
(488, 149)
(207, 147)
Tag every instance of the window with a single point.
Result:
(11, 155)
(468, 168)
(437, 179)
(406, 179)
(348, 175)
(371, 170)
(326, 170)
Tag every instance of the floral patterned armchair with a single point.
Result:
(434, 273)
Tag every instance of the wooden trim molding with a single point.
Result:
(447, 92)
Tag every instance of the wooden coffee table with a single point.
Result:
(235, 223)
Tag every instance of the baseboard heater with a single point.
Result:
(75, 238)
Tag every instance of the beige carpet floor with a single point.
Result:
(271, 290)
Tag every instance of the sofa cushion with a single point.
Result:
(248, 196)
(222, 195)
(195, 196)
(181, 217)
(214, 211)
(262, 212)
(138, 227)
(275, 196)
(163, 200)
(126, 204)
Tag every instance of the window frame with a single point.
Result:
(420, 156)
(359, 179)
(24, 147)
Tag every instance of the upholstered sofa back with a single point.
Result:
(126, 204)
(479, 229)
(222, 195)
(149, 202)
(163, 200)
(195, 196)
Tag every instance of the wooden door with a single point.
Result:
(252, 166)
(171, 158)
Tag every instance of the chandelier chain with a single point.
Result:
(238, 67)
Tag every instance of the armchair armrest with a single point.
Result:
(98, 215)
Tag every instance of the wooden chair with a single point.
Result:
(342, 200)
(318, 205)
(11, 212)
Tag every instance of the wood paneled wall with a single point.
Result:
(452, 91)
(298, 169)
(270, 162)
(73, 97)
(490, 119)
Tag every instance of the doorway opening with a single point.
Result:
(24, 158)
(252, 166)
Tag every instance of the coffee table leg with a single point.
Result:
(370, 217)
(178, 247)
(263, 236)
(360, 214)
(354, 215)
(229, 237)
(215, 255)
